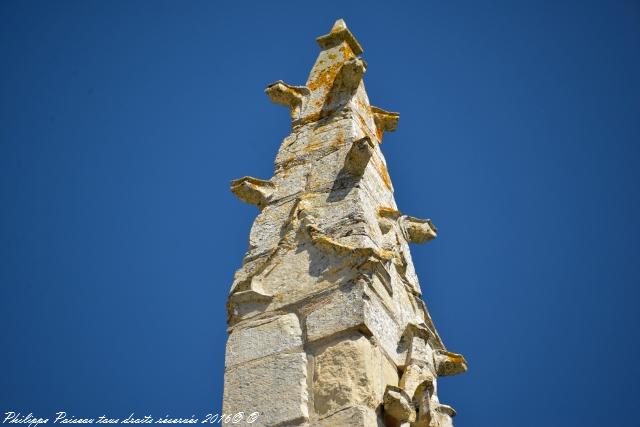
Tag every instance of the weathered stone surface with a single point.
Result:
(398, 405)
(420, 352)
(384, 120)
(291, 96)
(417, 230)
(340, 311)
(448, 363)
(350, 372)
(354, 416)
(275, 386)
(415, 375)
(253, 190)
(326, 310)
(444, 415)
(262, 338)
(354, 307)
(268, 229)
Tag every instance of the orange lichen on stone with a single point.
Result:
(325, 78)
(387, 212)
(385, 121)
(340, 33)
(338, 140)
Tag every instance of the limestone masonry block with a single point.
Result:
(353, 416)
(350, 372)
(354, 308)
(398, 405)
(275, 386)
(263, 338)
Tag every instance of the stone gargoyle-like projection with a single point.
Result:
(327, 326)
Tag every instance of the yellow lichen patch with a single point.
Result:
(285, 167)
(385, 121)
(324, 78)
(455, 358)
(382, 171)
(346, 51)
(314, 144)
(338, 140)
(385, 254)
(387, 212)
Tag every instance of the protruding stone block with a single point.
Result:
(417, 230)
(425, 401)
(413, 376)
(444, 414)
(351, 73)
(358, 156)
(252, 190)
(448, 363)
(398, 405)
(385, 121)
(290, 96)
(246, 303)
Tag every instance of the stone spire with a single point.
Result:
(326, 322)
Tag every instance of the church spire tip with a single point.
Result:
(340, 33)
(339, 25)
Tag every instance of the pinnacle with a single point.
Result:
(339, 25)
(339, 33)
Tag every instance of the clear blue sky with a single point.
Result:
(122, 123)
